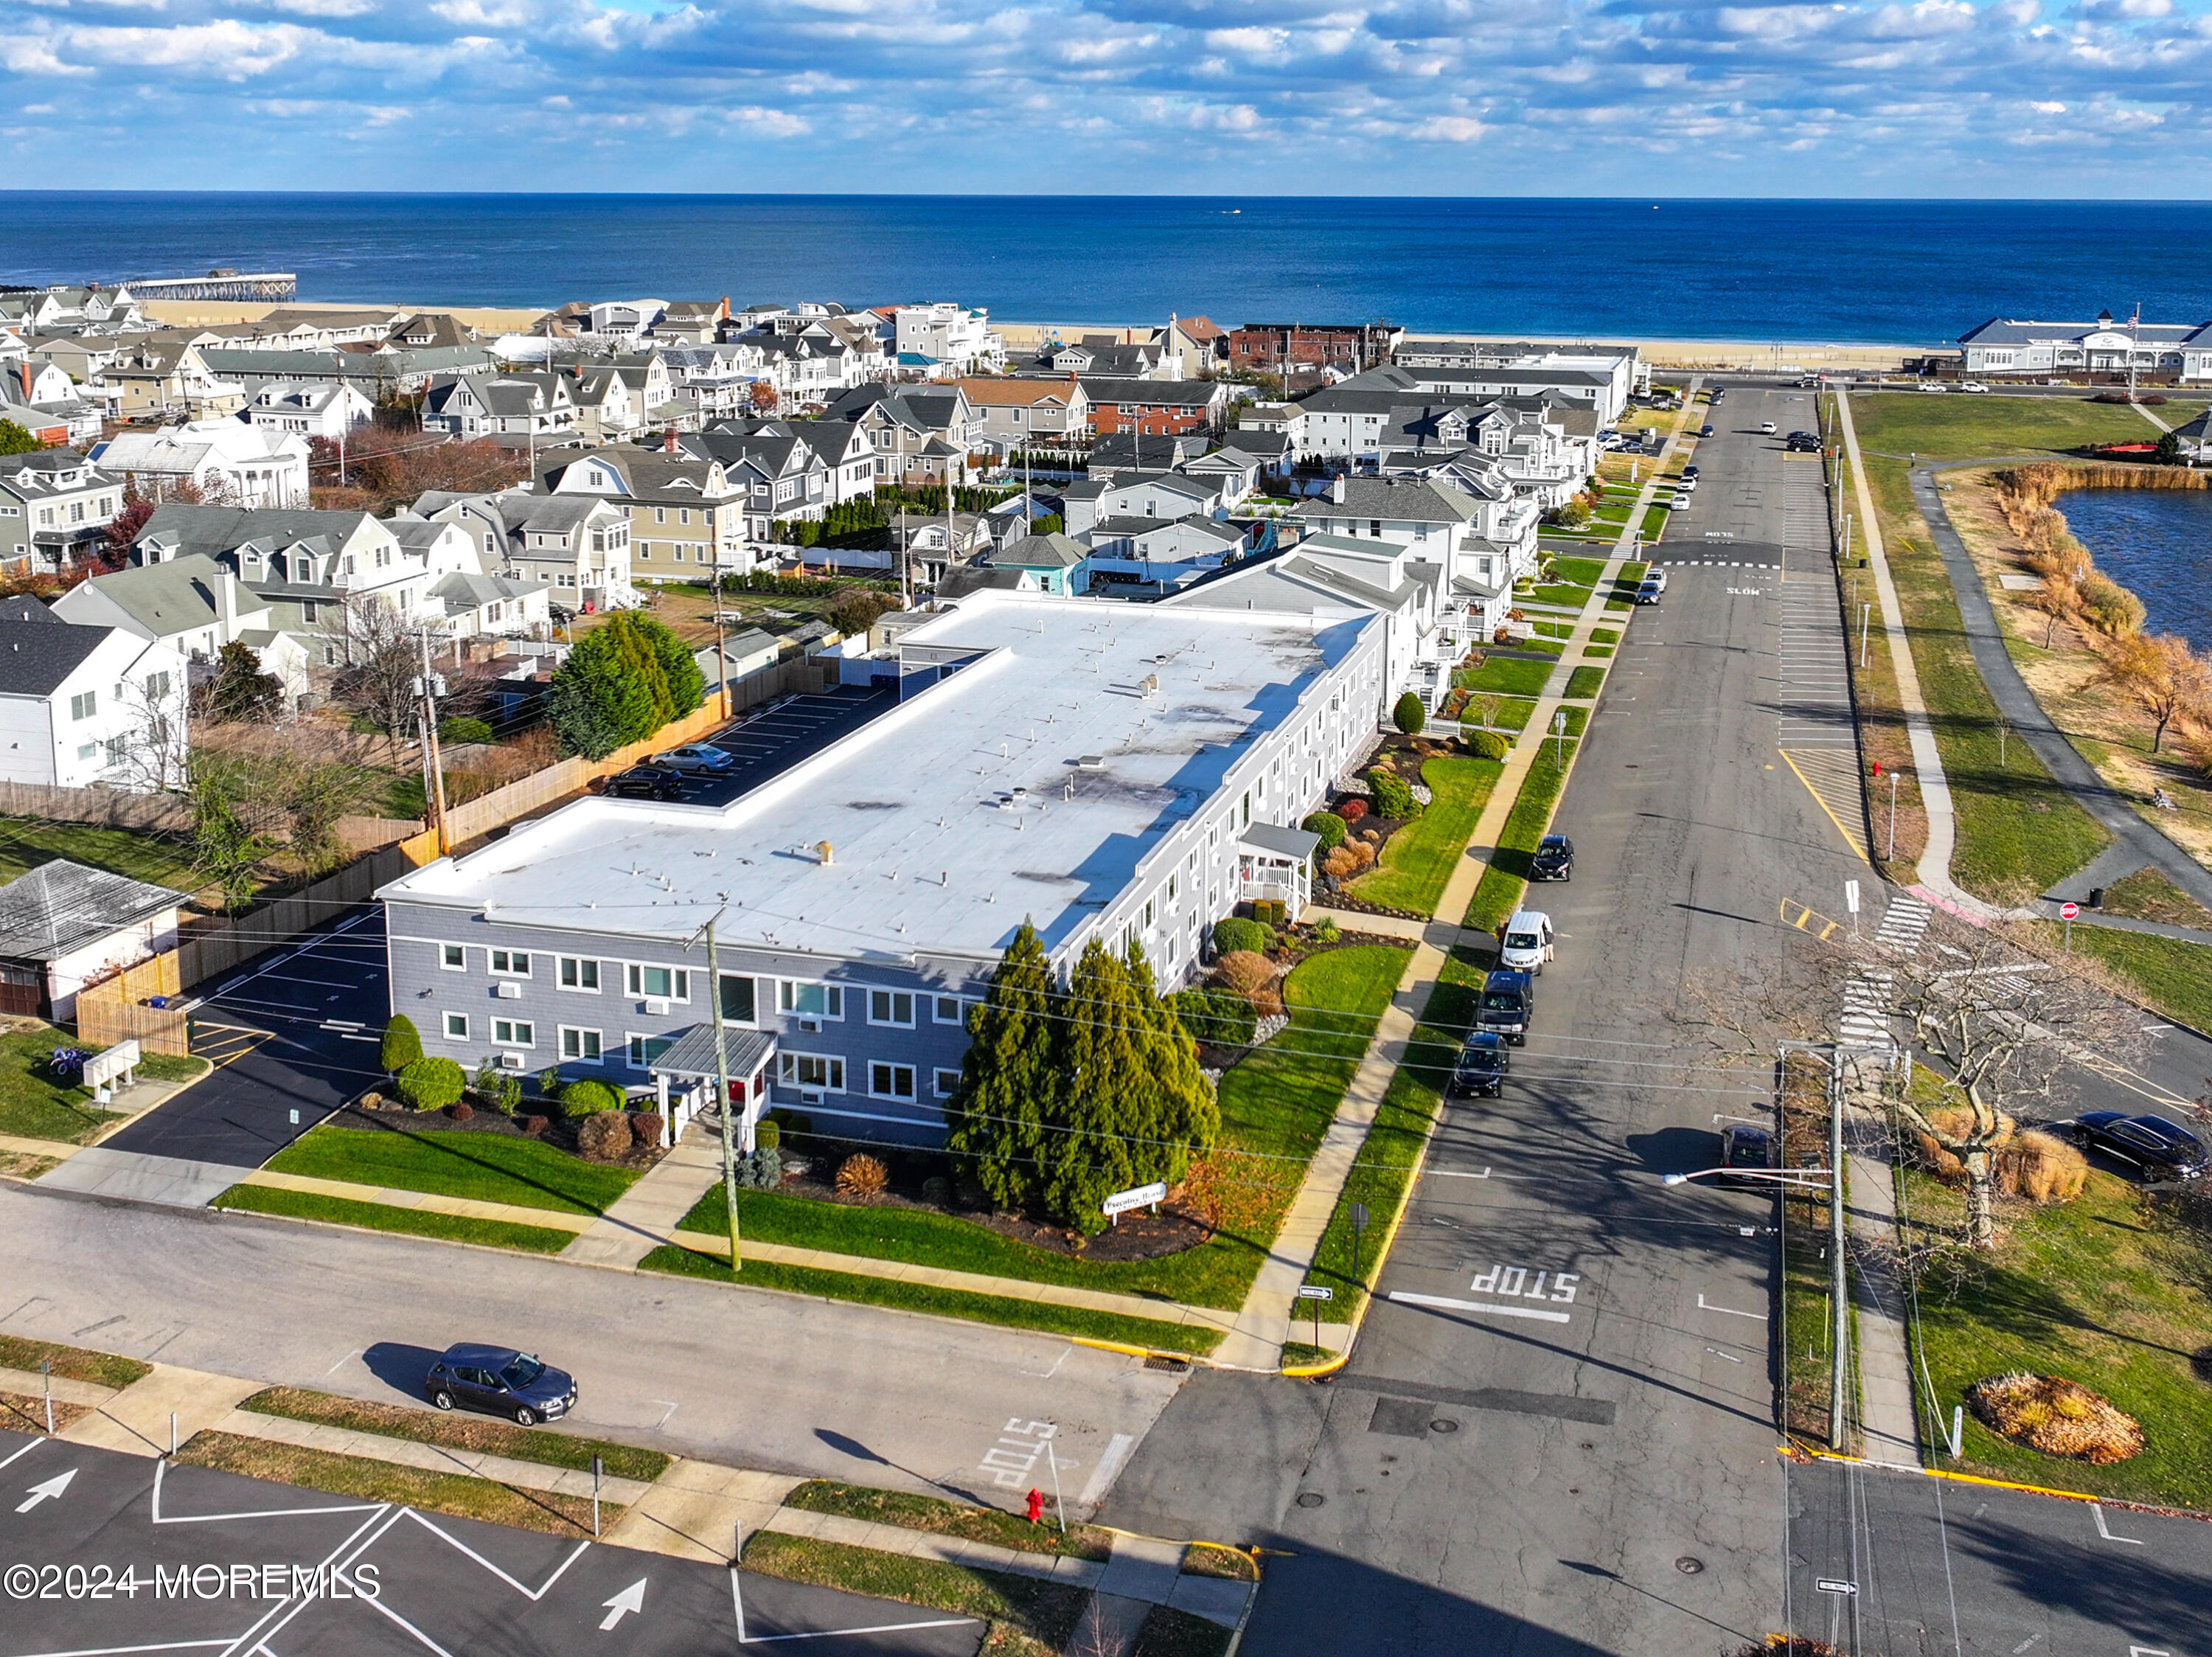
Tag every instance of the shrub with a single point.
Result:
(768, 1136)
(604, 1135)
(1488, 745)
(1214, 1015)
(589, 1098)
(401, 1045)
(1959, 1121)
(1328, 826)
(1410, 714)
(1352, 810)
(2109, 606)
(1327, 931)
(1393, 798)
(496, 1087)
(1254, 978)
(861, 1175)
(464, 730)
(2042, 1167)
(463, 1112)
(549, 1083)
(1236, 935)
(431, 1084)
(647, 1127)
(2058, 1416)
(1343, 862)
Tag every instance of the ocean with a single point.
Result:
(1903, 272)
(2157, 543)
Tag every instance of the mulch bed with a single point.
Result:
(560, 1132)
(1141, 1235)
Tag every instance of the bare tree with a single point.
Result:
(152, 757)
(1995, 1029)
(382, 660)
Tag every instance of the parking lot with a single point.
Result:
(102, 1553)
(769, 740)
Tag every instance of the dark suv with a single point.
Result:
(1554, 859)
(500, 1380)
(1480, 1071)
(2157, 1149)
(1508, 999)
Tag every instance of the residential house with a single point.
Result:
(780, 474)
(1059, 562)
(378, 375)
(46, 402)
(922, 435)
(1142, 495)
(426, 329)
(55, 508)
(311, 409)
(692, 322)
(1291, 348)
(64, 926)
(1196, 345)
(164, 374)
(575, 546)
(195, 606)
(74, 700)
(1283, 420)
(747, 651)
(957, 337)
(297, 328)
(1133, 451)
(1017, 413)
(1165, 554)
(539, 406)
(1464, 366)
(1102, 357)
(927, 546)
(715, 382)
(686, 513)
(1154, 406)
(68, 307)
(626, 318)
(2195, 443)
(228, 461)
(607, 410)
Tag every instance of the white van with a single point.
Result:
(1524, 942)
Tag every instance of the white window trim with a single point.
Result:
(937, 1079)
(511, 1039)
(446, 1024)
(581, 961)
(959, 1009)
(893, 1065)
(786, 998)
(562, 1033)
(638, 969)
(510, 970)
(460, 965)
(891, 1023)
(836, 1061)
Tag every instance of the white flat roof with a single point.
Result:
(1032, 782)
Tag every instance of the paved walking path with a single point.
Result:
(142, 1419)
(1264, 1322)
(1935, 868)
(1887, 1425)
(2137, 843)
(138, 1177)
(429, 1457)
(647, 1215)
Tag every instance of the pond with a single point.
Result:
(2157, 543)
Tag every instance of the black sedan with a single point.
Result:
(2156, 1149)
(645, 782)
(1705, 430)
(1480, 1071)
(1745, 1147)
(502, 1381)
(1553, 860)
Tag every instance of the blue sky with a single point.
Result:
(1407, 97)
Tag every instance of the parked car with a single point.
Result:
(1677, 503)
(1481, 1069)
(1690, 470)
(1767, 428)
(1508, 1001)
(1554, 859)
(1706, 430)
(500, 1380)
(1973, 385)
(1808, 382)
(1805, 445)
(1931, 385)
(1526, 941)
(1743, 1146)
(645, 782)
(1657, 573)
(1687, 483)
(1649, 591)
(699, 756)
(2156, 1149)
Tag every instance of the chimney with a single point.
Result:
(226, 601)
(1336, 489)
(668, 441)
(823, 851)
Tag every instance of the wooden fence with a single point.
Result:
(108, 807)
(117, 1009)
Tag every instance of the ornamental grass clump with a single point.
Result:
(860, 1175)
(2058, 1416)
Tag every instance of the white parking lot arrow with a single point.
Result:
(52, 1487)
(630, 1598)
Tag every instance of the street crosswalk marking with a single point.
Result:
(1865, 1020)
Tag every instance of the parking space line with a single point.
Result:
(1730, 1310)
(2097, 1509)
(1448, 1305)
(737, 1607)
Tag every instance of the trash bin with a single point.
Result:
(2096, 896)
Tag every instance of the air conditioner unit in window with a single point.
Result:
(508, 990)
(810, 1095)
(656, 1007)
(510, 1061)
(810, 1025)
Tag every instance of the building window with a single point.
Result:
(84, 704)
(737, 1001)
(512, 963)
(892, 1006)
(810, 1001)
(660, 983)
(947, 1010)
(157, 687)
(579, 974)
(457, 1026)
(810, 1070)
(87, 750)
(582, 1045)
(453, 957)
(514, 1033)
(890, 1080)
(643, 1050)
(948, 1082)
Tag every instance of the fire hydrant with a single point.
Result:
(1037, 1506)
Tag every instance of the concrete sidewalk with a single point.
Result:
(137, 1176)
(1889, 1426)
(647, 1215)
(170, 1404)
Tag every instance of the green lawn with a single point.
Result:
(1275, 1104)
(26, 842)
(380, 1216)
(1509, 674)
(2108, 1291)
(488, 1168)
(680, 1262)
(1605, 635)
(34, 1104)
(1420, 858)
(1565, 592)
(1508, 874)
(941, 1518)
(1025, 1617)
(1579, 572)
(1585, 682)
(2171, 975)
(1960, 427)
(458, 1431)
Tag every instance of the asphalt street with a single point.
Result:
(102, 1553)
(294, 1034)
(767, 1380)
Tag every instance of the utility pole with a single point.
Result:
(2134, 338)
(721, 658)
(428, 687)
(722, 1095)
(1840, 1310)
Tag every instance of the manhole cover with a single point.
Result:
(1311, 1499)
(1689, 1565)
(1443, 1424)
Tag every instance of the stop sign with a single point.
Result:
(2068, 912)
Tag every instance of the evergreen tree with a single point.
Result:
(1187, 1117)
(600, 700)
(1106, 1104)
(998, 1117)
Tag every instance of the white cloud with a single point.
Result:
(1450, 129)
(768, 123)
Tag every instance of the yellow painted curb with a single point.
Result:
(1308, 1371)
(1795, 1449)
(1121, 1346)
